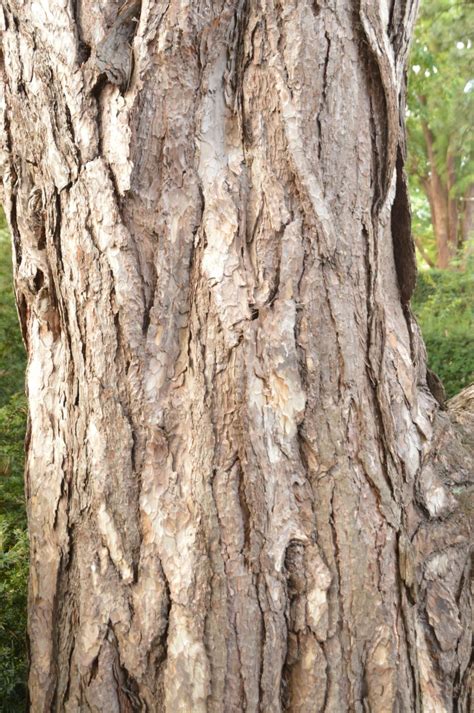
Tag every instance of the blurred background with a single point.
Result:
(440, 168)
(441, 174)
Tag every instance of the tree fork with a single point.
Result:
(242, 494)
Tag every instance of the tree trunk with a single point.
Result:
(467, 222)
(242, 495)
(443, 208)
(453, 211)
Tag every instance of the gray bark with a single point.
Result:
(242, 494)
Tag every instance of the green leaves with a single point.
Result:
(441, 107)
(441, 102)
(444, 309)
(13, 535)
(13, 587)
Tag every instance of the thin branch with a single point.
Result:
(423, 253)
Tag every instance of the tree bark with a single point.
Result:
(467, 221)
(453, 210)
(242, 495)
(441, 207)
(449, 217)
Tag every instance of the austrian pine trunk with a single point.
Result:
(242, 494)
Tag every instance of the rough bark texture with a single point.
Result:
(242, 494)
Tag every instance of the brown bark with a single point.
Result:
(440, 205)
(453, 212)
(467, 223)
(238, 482)
(447, 216)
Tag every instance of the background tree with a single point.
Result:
(242, 494)
(441, 103)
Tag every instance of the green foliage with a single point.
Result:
(441, 87)
(13, 586)
(443, 304)
(13, 537)
(422, 227)
(441, 99)
(12, 352)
